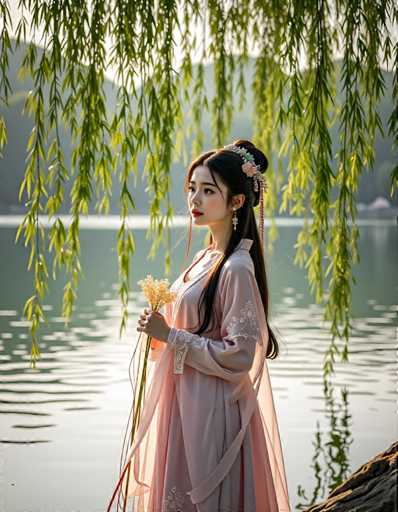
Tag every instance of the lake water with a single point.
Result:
(62, 425)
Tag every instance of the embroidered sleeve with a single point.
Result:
(231, 356)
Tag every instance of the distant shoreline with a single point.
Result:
(143, 221)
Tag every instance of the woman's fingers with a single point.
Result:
(143, 320)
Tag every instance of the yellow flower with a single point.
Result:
(157, 291)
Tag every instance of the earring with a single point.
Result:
(235, 220)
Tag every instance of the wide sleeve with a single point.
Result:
(230, 357)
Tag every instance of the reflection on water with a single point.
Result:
(330, 460)
(63, 422)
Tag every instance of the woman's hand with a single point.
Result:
(153, 324)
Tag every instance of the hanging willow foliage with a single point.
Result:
(294, 108)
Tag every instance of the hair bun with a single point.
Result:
(259, 156)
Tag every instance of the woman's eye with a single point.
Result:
(206, 190)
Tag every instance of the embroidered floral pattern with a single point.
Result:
(174, 501)
(182, 337)
(180, 352)
(245, 327)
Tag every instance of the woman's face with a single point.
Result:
(204, 196)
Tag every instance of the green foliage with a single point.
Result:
(293, 88)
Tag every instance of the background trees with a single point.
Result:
(317, 69)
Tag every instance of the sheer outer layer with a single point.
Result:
(210, 377)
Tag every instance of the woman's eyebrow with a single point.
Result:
(203, 183)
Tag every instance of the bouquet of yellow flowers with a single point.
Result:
(158, 294)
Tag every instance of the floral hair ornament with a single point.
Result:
(252, 170)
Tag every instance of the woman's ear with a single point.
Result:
(238, 200)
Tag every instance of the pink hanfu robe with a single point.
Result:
(208, 438)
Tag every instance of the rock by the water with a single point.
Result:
(372, 488)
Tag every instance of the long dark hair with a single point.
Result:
(228, 167)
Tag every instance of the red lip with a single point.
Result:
(196, 213)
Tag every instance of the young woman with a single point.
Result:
(208, 438)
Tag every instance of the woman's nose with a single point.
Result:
(195, 197)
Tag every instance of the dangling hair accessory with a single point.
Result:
(252, 170)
